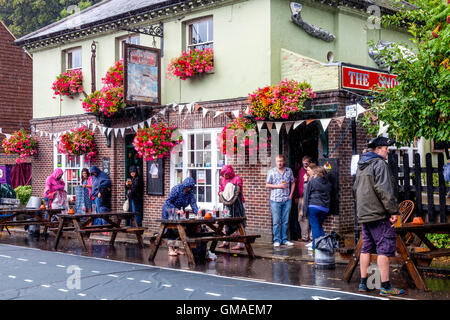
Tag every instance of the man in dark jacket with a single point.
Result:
(376, 207)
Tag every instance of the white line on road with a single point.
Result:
(130, 278)
(104, 299)
(82, 294)
(12, 277)
(213, 294)
(28, 280)
(63, 290)
(167, 285)
(22, 259)
(145, 281)
(60, 266)
(238, 298)
(95, 271)
(3, 256)
(188, 289)
(45, 285)
(42, 262)
(113, 275)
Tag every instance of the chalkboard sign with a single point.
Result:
(332, 167)
(106, 166)
(155, 177)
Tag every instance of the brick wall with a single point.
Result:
(16, 87)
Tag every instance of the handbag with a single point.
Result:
(126, 205)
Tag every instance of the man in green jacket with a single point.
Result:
(376, 206)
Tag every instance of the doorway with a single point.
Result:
(132, 159)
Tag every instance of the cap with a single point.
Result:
(380, 141)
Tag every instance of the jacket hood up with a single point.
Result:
(367, 158)
(189, 182)
(227, 172)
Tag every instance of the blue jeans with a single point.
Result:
(316, 218)
(135, 206)
(280, 220)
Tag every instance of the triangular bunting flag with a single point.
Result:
(359, 109)
(247, 110)
(297, 123)
(163, 111)
(122, 132)
(269, 126)
(310, 121)
(259, 124)
(42, 133)
(197, 106)
(174, 106)
(108, 131)
(383, 128)
(1, 130)
(135, 128)
(278, 126)
(102, 129)
(325, 123)
(116, 130)
(142, 125)
(218, 113)
(180, 108)
(50, 135)
(340, 121)
(235, 113)
(205, 111)
(288, 126)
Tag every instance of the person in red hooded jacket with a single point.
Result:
(53, 183)
(227, 175)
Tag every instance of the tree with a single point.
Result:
(419, 106)
(25, 16)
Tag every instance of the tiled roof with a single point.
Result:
(101, 12)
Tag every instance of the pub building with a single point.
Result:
(255, 44)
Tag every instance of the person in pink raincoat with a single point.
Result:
(227, 175)
(53, 183)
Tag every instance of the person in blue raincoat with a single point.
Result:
(101, 190)
(179, 198)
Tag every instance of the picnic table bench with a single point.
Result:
(190, 238)
(8, 218)
(83, 225)
(411, 259)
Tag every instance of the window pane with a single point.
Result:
(199, 159)
(203, 31)
(208, 177)
(77, 59)
(207, 142)
(198, 142)
(191, 142)
(208, 194)
(69, 60)
(193, 34)
(191, 159)
(210, 30)
(207, 159)
(201, 194)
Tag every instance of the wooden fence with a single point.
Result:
(410, 186)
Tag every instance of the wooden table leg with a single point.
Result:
(154, 246)
(352, 264)
(138, 235)
(59, 233)
(410, 266)
(114, 233)
(187, 248)
(78, 233)
(248, 245)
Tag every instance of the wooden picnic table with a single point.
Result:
(83, 225)
(8, 217)
(410, 259)
(190, 238)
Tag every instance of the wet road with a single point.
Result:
(30, 269)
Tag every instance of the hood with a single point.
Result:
(58, 172)
(227, 172)
(188, 183)
(368, 158)
(94, 169)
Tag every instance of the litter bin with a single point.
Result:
(34, 203)
(324, 251)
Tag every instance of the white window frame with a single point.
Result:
(65, 167)
(66, 54)
(125, 39)
(208, 42)
(215, 169)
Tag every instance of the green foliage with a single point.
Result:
(25, 16)
(439, 240)
(419, 106)
(23, 193)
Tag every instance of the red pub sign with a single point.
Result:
(364, 79)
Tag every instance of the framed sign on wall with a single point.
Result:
(155, 177)
(142, 75)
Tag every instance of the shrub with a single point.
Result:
(23, 193)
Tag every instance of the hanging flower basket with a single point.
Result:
(280, 101)
(109, 99)
(114, 75)
(155, 142)
(21, 143)
(240, 134)
(77, 142)
(191, 63)
(69, 83)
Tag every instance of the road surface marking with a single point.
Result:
(28, 280)
(104, 299)
(95, 271)
(63, 290)
(82, 294)
(167, 285)
(130, 278)
(238, 298)
(12, 277)
(1, 255)
(45, 285)
(188, 289)
(213, 294)
(113, 275)
(60, 266)
(22, 259)
(42, 262)
(145, 281)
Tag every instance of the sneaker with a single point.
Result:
(276, 244)
(309, 245)
(391, 291)
(363, 288)
(288, 243)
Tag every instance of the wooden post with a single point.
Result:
(430, 198)
(418, 185)
(406, 177)
(442, 190)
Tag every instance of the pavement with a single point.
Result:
(284, 273)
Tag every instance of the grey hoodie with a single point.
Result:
(374, 189)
